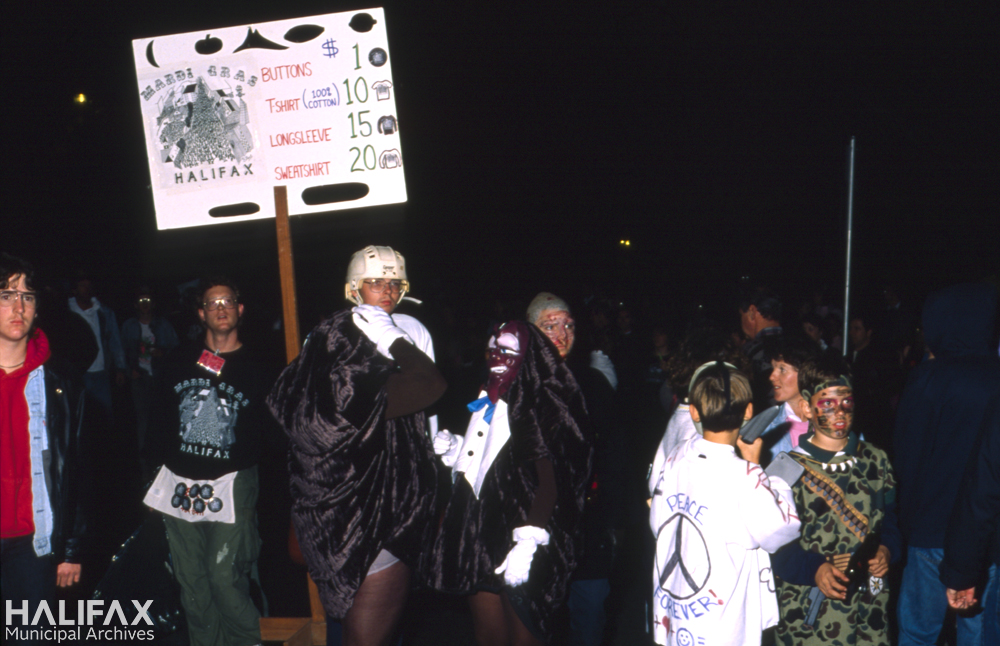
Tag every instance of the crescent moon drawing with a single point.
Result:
(149, 54)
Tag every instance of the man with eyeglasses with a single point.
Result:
(41, 413)
(208, 438)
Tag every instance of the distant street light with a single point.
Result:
(80, 99)
(625, 243)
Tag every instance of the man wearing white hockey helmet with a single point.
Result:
(377, 276)
(363, 472)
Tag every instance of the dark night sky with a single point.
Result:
(535, 139)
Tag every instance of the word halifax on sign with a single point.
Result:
(306, 103)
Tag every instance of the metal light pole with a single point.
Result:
(850, 225)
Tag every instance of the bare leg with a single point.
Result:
(488, 619)
(378, 607)
(520, 635)
(496, 623)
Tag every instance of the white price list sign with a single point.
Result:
(306, 103)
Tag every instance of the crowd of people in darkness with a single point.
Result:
(558, 467)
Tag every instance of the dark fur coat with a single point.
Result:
(360, 482)
(548, 419)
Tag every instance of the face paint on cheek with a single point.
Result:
(832, 424)
(833, 411)
(570, 340)
(559, 327)
(848, 422)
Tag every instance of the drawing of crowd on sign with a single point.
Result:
(199, 124)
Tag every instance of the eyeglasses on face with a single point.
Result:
(220, 303)
(8, 298)
(378, 285)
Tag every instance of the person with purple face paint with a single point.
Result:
(511, 533)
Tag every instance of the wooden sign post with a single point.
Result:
(286, 270)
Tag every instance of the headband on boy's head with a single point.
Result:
(842, 380)
(705, 366)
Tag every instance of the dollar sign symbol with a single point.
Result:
(330, 50)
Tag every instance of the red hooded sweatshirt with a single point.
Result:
(15, 454)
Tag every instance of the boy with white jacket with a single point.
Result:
(716, 516)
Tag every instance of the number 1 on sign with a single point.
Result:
(357, 57)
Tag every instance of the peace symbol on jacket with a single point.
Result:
(683, 563)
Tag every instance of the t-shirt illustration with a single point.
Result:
(381, 89)
(209, 424)
(208, 415)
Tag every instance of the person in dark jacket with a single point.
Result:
(603, 511)
(109, 366)
(41, 417)
(938, 423)
(972, 544)
(362, 469)
(877, 380)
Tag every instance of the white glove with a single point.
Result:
(518, 562)
(378, 326)
(448, 446)
(602, 362)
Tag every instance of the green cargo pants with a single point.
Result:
(212, 562)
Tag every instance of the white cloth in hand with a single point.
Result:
(378, 327)
(516, 566)
(448, 446)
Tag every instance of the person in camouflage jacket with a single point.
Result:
(846, 493)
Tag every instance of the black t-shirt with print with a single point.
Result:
(211, 424)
